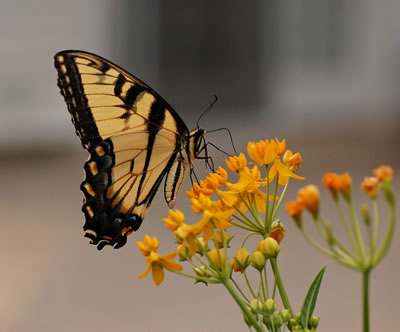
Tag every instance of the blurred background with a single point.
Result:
(324, 74)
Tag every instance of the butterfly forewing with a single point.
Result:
(134, 139)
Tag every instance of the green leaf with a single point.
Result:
(311, 298)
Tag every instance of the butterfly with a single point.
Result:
(135, 139)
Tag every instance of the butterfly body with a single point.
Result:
(134, 137)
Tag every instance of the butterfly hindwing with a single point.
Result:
(134, 138)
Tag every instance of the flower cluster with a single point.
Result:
(248, 199)
(340, 185)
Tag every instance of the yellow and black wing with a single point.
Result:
(134, 139)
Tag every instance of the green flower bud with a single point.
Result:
(202, 246)
(247, 320)
(388, 191)
(255, 305)
(258, 260)
(365, 214)
(329, 233)
(314, 321)
(269, 306)
(285, 314)
(278, 321)
(293, 324)
(269, 247)
(202, 272)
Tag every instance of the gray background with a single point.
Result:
(322, 74)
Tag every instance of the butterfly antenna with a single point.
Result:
(230, 136)
(207, 109)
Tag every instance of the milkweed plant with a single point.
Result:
(249, 199)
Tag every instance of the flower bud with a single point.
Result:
(388, 192)
(308, 196)
(258, 260)
(370, 185)
(202, 271)
(277, 231)
(365, 214)
(314, 321)
(269, 247)
(255, 305)
(278, 321)
(285, 314)
(269, 306)
(217, 257)
(219, 238)
(384, 172)
(294, 209)
(201, 246)
(241, 260)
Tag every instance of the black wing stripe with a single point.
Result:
(156, 119)
(132, 94)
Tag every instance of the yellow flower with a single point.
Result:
(249, 181)
(174, 220)
(236, 163)
(265, 152)
(201, 203)
(149, 245)
(278, 168)
(156, 263)
(217, 179)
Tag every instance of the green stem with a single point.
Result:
(365, 299)
(357, 232)
(280, 200)
(281, 287)
(239, 289)
(267, 201)
(244, 219)
(243, 307)
(249, 285)
(388, 237)
(242, 227)
(346, 224)
(247, 237)
(271, 212)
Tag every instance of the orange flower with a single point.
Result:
(295, 208)
(370, 185)
(329, 181)
(265, 152)
(338, 182)
(156, 263)
(308, 196)
(217, 180)
(292, 160)
(384, 173)
(236, 163)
